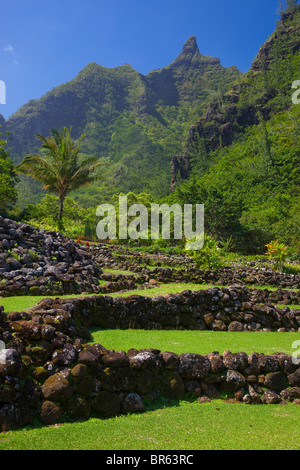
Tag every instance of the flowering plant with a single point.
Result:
(278, 253)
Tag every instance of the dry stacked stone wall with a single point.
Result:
(225, 276)
(40, 262)
(218, 309)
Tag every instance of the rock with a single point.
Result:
(9, 361)
(238, 361)
(14, 416)
(268, 363)
(216, 363)
(235, 326)
(106, 404)
(254, 396)
(194, 366)
(210, 390)
(294, 379)
(87, 358)
(50, 413)
(118, 379)
(133, 403)
(270, 398)
(79, 372)
(77, 408)
(172, 385)
(27, 329)
(234, 381)
(219, 325)
(65, 356)
(276, 381)
(31, 392)
(57, 389)
(85, 387)
(8, 357)
(142, 360)
(170, 360)
(7, 394)
(290, 394)
(193, 388)
(204, 399)
(115, 359)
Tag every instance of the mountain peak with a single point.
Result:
(190, 53)
(190, 46)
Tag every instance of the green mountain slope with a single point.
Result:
(138, 123)
(242, 160)
(258, 94)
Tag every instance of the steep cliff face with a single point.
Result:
(262, 92)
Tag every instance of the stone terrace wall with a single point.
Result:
(40, 262)
(49, 372)
(92, 381)
(226, 276)
(218, 309)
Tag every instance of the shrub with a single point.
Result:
(209, 256)
(277, 252)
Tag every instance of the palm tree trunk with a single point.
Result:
(61, 207)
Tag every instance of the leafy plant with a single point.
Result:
(277, 252)
(33, 254)
(8, 179)
(209, 256)
(59, 166)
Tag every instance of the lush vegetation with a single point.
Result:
(250, 186)
(251, 192)
(136, 122)
(8, 180)
(59, 165)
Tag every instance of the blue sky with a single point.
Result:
(44, 43)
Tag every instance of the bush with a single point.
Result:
(209, 256)
(277, 252)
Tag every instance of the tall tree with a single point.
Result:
(59, 165)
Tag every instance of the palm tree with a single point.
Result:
(59, 166)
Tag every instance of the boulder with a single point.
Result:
(132, 403)
(14, 416)
(50, 413)
(194, 366)
(294, 379)
(106, 404)
(234, 381)
(57, 388)
(270, 398)
(77, 408)
(276, 381)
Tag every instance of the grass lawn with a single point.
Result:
(187, 426)
(197, 342)
(119, 271)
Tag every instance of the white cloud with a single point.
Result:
(9, 48)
